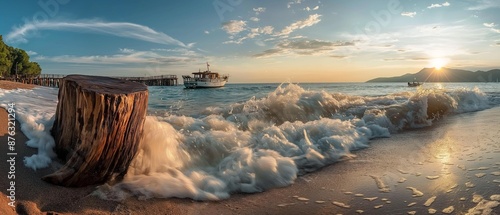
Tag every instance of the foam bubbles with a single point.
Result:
(35, 109)
(250, 146)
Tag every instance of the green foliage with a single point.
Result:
(16, 61)
(5, 62)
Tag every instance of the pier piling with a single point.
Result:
(54, 80)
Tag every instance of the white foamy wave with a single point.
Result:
(470, 100)
(210, 158)
(250, 146)
(35, 110)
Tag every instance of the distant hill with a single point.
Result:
(445, 75)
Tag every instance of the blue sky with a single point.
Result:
(255, 41)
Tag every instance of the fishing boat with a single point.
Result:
(414, 84)
(205, 79)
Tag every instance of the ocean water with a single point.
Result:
(206, 144)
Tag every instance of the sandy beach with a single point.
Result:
(452, 167)
(9, 85)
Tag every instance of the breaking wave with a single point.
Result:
(250, 146)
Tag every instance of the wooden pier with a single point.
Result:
(53, 80)
(161, 80)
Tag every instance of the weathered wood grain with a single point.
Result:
(97, 128)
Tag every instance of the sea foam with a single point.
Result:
(250, 146)
(34, 110)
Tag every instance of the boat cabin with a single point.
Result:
(205, 75)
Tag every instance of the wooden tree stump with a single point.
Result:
(97, 129)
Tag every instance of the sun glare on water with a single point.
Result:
(438, 63)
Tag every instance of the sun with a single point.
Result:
(438, 63)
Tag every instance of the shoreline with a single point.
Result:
(437, 161)
(9, 85)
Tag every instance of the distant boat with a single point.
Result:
(205, 79)
(414, 84)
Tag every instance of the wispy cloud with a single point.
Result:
(31, 53)
(489, 25)
(259, 10)
(234, 26)
(446, 4)
(126, 50)
(339, 56)
(125, 57)
(408, 59)
(266, 29)
(409, 14)
(485, 4)
(119, 29)
(268, 53)
(178, 51)
(252, 34)
(303, 47)
(431, 40)
(309, 9)
(310, 21)
(255, 19)
(289, 4)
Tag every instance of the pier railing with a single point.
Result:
(54, 80)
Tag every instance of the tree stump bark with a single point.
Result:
(97, 129)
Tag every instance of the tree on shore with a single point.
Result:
(16, 61)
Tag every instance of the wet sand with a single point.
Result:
(9, 85)
(453, 163)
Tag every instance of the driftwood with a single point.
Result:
(97, 128)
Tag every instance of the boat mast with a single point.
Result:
(208, 67)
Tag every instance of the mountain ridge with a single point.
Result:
(444, 75)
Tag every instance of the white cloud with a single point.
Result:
(446, 4)
(489, 25)
(409, 14)
(309, 9)
(289, 4)
(310, 21)
(485, 4)
(432, 40)
(119, 29)
(259, 10)
(126, 50)
(254, 32)
(257, 31)
(178, 51)
(137, 57)
(236, 41)
(32, 53)
(434, 5)
(267, 29)
(255, 19)
(303, 47)
(206, 32)
(234, 26)
(260, 43)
